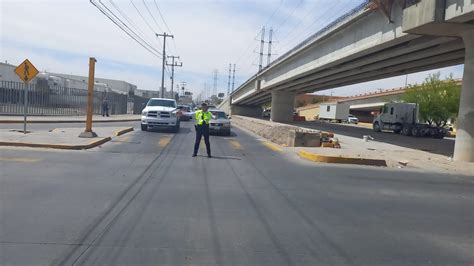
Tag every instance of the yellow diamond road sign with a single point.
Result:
(26, 71)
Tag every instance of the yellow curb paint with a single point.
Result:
(235, 144)
(19, 160)
(163, 142)
(272, 146)
(123, 131)
(344, 160)
(58, 146)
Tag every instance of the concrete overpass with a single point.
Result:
(379, 39)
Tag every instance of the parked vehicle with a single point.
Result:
(351, 119)
(160, 113)
(266, 113)
(403, 118)
(220, 123)
(186, 112)
(334, 112)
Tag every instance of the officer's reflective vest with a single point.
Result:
(203, 117)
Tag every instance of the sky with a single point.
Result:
(60, 35)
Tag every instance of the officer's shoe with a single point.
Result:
(194, 155)
(209, 156)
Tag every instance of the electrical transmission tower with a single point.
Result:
(214, 91)
(262, 44)
(269, 55)
(233, 79)
(228, 81)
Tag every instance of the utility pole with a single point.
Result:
(173, 64)
(214, 91)
(228, 81)
(164, 35)
(233, 79)
(183, 85)
(269, 55)
(262, 43)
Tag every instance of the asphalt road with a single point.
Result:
(438, 146)
(143, 200)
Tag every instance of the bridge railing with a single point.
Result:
(316, 35)
(345, 17)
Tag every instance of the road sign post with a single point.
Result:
(25, 111)
(88, 133)
(26, 71)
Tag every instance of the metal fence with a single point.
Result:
(57, 100)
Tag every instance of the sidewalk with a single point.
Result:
(63, 138)
(68, 119)
(354, 149)
(394, 156)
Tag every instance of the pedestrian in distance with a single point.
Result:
(202, 118)
(105, 107)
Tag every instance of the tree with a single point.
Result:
(315, 100)
(300, 103)
(438, 100)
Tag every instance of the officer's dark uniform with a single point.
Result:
(202, 129)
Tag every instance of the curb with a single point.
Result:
(58, 146)
(65, 121)
(123, 131)
(344, 160)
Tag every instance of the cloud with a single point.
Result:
(60, 35)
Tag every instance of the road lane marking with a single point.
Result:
(235, 144)
(19, 159)
(272, 146)
(164, 141)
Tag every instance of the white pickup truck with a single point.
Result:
(160, 113)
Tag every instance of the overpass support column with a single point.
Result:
(464, 147)
(283, 104)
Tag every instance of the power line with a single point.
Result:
(310, 12)
(164, 35)
(256, 36)
(166, 24)
(269, 55)
(292, 12)
(130, 34)
(173, 65)
(124, 24)
(327, 15)
(162, 18)
(143, 18)
(132, 24)
(262, 43)
(153, 17)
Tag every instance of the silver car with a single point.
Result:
(220, 123)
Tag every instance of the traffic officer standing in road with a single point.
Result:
(203, 118)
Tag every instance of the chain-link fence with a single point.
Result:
(57, 100)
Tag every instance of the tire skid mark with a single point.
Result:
(340, 252)
(261, 217)
(62, 260)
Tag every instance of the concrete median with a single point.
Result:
(61, 138)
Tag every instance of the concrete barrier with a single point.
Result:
(279, 133)
(304, 138)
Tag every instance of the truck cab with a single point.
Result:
(404, 118)
(160, 113)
